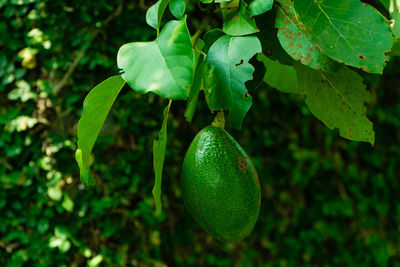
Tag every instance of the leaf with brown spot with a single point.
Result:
(297, 44)
(346, 29)
(338, 100)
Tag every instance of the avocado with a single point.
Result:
(220, 186)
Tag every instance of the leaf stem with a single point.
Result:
(199, 31)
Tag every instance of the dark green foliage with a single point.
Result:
(326, 201)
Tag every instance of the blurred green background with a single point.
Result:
(326, 201)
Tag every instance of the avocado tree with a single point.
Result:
(226, 49)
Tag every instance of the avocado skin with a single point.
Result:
(220, 186)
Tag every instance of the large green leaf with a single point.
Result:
(159, 148)
(297, 44)
(338, 100)
(279, 76)
(96, 107)
(348, 31)
(155, 13)
(258, 7)
(239, 22)
(164, 66)
(225, 70)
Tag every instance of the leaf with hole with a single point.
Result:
(225, 71)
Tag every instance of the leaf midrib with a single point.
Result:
(332, 24)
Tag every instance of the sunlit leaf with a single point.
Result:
(155, 13)
(348, 31)
(394, 10)
(178, 7)
(258, 7)
(96, 107)
(164, 66)
(297, 44)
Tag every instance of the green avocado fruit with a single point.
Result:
(220, 186)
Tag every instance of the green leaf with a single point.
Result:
(338, 100)
(239, 22)
(258, 7)
(96, 107)
(178, 7)
(195, 88)
(209, 39)
(159, 148)
(22, 92)
(297, 44)
(155, 13)
(225, 70)
(84, 172)
(279, 76)
(164, 66)
(285, 2)
(214, 1)
(385, 3)
(394, 10)
(396, 47)
(194, 94)
(348, 31)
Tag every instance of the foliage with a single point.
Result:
(323, 35)
(326, 201)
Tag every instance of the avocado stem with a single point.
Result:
(219, 120)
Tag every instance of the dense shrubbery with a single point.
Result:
(326, 201)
